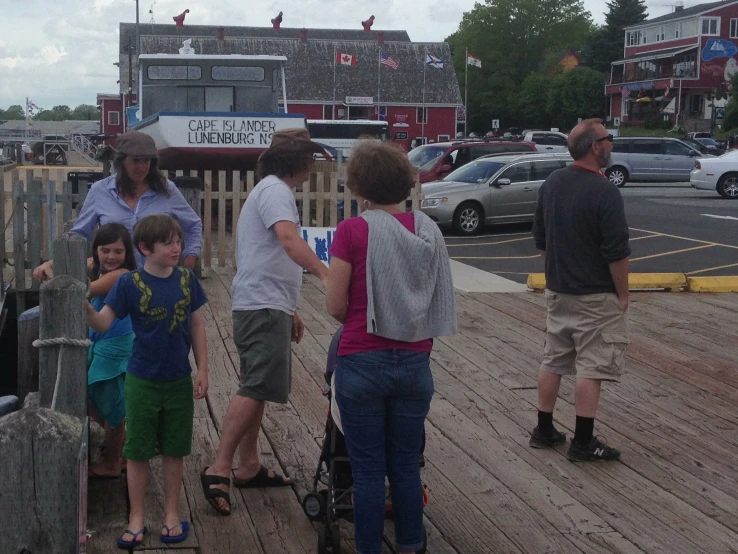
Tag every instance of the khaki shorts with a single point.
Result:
(263, 339)
(586, 335)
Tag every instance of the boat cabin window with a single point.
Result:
(174, 72)
(233, 73)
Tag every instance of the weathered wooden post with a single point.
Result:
(42, 484)
(27, 354)
(191, 189)
(106, 156)
(62, 330)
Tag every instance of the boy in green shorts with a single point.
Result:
(163, 301)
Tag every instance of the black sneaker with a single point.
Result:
(539, 439)
(595, 450)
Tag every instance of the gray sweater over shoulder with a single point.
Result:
(408, 279)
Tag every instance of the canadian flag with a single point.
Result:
(345, 59)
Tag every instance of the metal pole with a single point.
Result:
(335, 53)
(466, 89)
(679, 103)
(422, 121)
(379, 77)
(284, 87)
(138, 34)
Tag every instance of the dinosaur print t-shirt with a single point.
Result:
(161, 310)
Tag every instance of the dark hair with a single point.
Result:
(579, 147)
(380, 172)
(153, 229)
(108, 234)
(155, 178)
(283, 164)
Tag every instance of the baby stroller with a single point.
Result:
(334, 500)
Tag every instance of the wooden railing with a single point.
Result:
(43, 199)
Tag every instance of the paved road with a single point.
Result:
(674, 228)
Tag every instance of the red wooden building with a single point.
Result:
(677, 66)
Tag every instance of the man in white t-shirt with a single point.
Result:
(270, 258)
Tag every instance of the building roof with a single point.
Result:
(60, 127)
(680, 14)
(665, 53)
(309, 68)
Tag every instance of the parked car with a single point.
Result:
(694, 143)
(496, 189)
(712, 146)
(547, 141)
(699, 134)
(720, 174)
(435, 161)
(650, 159)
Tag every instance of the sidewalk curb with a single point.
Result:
(672, 282)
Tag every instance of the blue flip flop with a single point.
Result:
(179, 538)
(133, 543)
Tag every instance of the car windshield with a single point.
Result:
(425, 157)
(707, 141)
(475, 172)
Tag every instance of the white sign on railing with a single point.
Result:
(319, 239)
(360, 100)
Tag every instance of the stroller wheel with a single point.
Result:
(322, 540)
(425, 542)
(336, 539)
(314, 506)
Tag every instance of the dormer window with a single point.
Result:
(710, 26)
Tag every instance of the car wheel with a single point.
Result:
(618, 176)
(727, 186)
(468, 218)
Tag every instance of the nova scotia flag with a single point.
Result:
(433, 61)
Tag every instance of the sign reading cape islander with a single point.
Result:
(234, 131)
(360, 100)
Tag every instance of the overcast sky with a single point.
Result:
(62, 51)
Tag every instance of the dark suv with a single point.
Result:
(434, 161)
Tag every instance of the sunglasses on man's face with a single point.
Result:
(606, 137)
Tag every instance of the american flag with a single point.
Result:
(387, 60)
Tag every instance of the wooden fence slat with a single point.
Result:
(84, 188)
(52, 231)
(235, 211)
(33, 226)
(333, 200)
(44, 215)
(320, 198)
(347, 198)
(221, 218)
(66, 204)
(208, 219)
(19, 233)
(305, 196)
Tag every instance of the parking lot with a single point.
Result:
(673, 227)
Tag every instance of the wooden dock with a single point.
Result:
(673, 416)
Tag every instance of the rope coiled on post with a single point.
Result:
(61, 342)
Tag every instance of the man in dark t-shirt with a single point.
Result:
(582, 234)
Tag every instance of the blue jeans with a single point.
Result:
(383, 398)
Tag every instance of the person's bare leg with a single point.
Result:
(172, 469)
(243, 414)
(138, 479)
(109, 464)
(587, 397)
(548, 390)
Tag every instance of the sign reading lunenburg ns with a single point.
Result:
(319, 239)
(224, 131)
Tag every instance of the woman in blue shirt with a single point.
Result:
(137, 189)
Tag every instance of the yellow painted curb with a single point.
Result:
(712, 284)
(668, 281)
(636, 281)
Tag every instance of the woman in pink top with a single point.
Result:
(383, 386)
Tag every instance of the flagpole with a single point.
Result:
(466, 89)
(333, 111)
(422, 121)
(379, 77)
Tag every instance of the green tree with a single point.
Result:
(731, 109)
(605, 45)
(574, 94)
(85, 112)
(513, 38)
(47, 115)
(13, 112)
(532, 100)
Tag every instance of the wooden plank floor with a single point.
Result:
(673, 416)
